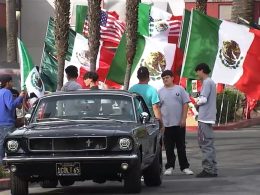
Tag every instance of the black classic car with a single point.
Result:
(82, 135)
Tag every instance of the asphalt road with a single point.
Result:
(238, 156)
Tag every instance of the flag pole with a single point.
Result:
(227, 112)
(235, 107)
(186, 45)
(221, 108)
(246, 107)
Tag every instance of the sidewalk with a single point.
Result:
(231, 126)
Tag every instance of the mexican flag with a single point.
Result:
(30, 78)
(156, 59)
(157, 23)
(81, 59)
(231, 50)
(77, 55)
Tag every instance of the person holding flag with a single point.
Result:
(8, 106)
(207, 116)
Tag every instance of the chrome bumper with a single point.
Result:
(20, 159)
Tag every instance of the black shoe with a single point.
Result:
(204, 174)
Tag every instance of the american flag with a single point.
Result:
(111, 29)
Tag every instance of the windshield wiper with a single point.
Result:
(51, 119)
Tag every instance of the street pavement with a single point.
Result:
(238, 156)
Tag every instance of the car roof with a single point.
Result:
(94, 92)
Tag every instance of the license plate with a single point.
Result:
(68, 169)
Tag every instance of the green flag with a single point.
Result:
(49, 65)
(30, 78)
(143, 18)
(49, 40)
(81, 15)
(202, 43)
(49, 71)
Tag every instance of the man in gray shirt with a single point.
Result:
(72, 75)
(207, 117)
(71, 108)
(174, 106)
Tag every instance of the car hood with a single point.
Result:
(67, 130)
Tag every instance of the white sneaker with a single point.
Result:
(168, 171)
(187, 171)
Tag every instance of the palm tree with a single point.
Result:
(242, 9)
(11, 31)
(201, 5)
(131, 37)
(62, 17)
(94, 16)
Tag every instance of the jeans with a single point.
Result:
(174, 136)
(206, 144)
(4, 130)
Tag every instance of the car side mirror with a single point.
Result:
(144, 117)
(27, 119)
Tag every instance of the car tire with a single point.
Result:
(153, 174)
(19, 186)
(132, 180)
(49, 183)
(66, 182)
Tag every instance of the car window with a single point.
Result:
(140, 106)
(84, 107)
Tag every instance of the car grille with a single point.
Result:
(67, 144)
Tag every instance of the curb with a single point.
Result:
(5, 183)
(231, 126)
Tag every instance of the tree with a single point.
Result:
(242, 9)
(131, 37)
(11, 31)
(201, 5)
(62, 25)
(94, 16)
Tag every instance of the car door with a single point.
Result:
(151, 131)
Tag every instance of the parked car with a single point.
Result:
(82, 135)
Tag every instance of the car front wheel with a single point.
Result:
(19, 186)
(132, 181)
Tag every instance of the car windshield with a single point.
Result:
(85, 108)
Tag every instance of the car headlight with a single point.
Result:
(12, 145)
(125, 144)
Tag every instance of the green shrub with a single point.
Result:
(3, 173)
(232, 102)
